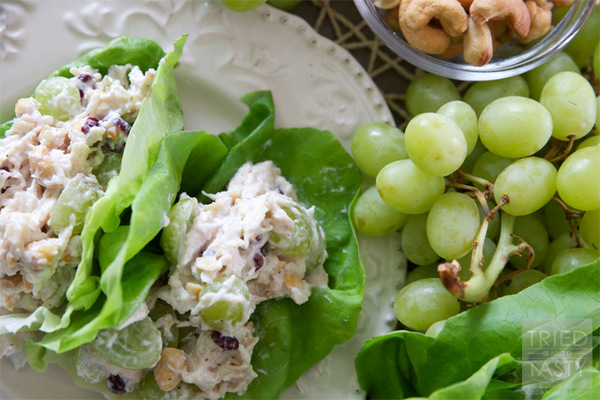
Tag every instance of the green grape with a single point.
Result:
(284, 4)
(307, 240)
(452, 224)
(471, 158)
(423, 303)
(489, 248)
(407, 189)
(531, 229)
(137, 346)
(557, 246)
(578, 179)
(180, 218)
(596, 60)
(522, 281)
(537, 77)
(224, 303)
(435, 144)
(589, 228)
(482, 93)
(243, 5)
(571, 101)
(572, 259)
(555, 219)
(435, 329)
(415, 244)
(74, 201)
(58, 97)
(169, 333)
(108, 168)
(377, 144)
(597, 124)
(372, 216)
(515, 127)
(489, 165)
(428, 92)
(466, 118)
(589, 141)
(582, 46)
(529, 183)
(422, 272)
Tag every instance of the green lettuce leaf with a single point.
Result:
(245, 141)
(403, 364)
(473, 387)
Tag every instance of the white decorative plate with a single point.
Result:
(314, 83)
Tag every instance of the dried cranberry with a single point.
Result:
(90, 122)
(115, 384)
(85, 82)
(225, 342)
(122, 125)
(259, 260)
(84, 77)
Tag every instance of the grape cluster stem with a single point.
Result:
(477, 288)
(553, 154)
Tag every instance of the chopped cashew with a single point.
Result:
(168, 370)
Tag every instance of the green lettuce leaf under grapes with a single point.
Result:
(405, 364)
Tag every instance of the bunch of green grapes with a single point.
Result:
(492, 191)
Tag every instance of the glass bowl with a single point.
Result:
(506, 62)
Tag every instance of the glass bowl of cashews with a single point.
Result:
(475, 40)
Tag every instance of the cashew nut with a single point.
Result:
(450, 14)
(415, 17)
(386, 4)
(466, 4)
(540, 12)
(514, 12)
(562, 3)
(392, 18)
(455, 49)
(479, 45)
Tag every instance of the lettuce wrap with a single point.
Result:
(159, 114)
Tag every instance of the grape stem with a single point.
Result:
(475, 179)
(477, 288)
(571, 216)
(552, 157)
